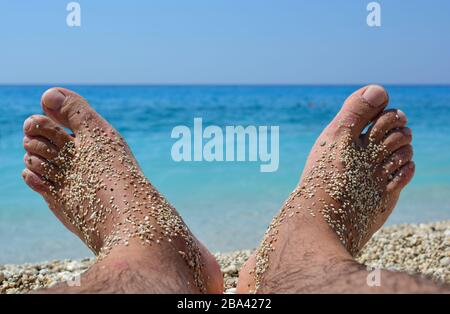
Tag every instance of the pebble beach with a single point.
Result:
(417, 249)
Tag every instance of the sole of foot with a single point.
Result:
(350, 185)
(95, 187)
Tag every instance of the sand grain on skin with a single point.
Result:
(347, 174)
(97, 164)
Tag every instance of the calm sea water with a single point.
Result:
(227, 205)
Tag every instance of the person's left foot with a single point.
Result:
(350, 185)
(93, 184)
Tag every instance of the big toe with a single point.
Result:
(69, 109)
(362, 107)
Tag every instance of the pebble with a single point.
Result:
(27, 277)
(445, 261)
(230, 269)
(409, 248)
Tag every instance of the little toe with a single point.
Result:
(401, 178)
(43, 126)
(397, 160)
(40, 166)
(388, 120)
(36, 182)
(40, 146)
(397, 138)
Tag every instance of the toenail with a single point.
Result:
(53, 99)
(27, 124)
(401, 114)
(375, 95)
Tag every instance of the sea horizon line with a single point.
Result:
(223, 84)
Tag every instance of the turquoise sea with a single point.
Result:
(227, 204)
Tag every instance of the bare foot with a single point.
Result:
(93, 184)
(350, 185)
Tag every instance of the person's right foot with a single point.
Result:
(350, 185)
(93, 184)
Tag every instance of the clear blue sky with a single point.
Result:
(225, 41)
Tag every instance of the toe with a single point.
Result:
(69, 109)
(361, 108)
(40, 167)
(41, 147)
(397, 138)
(42, 126)
(36, 182)
(397, 160)
(388, 120)
(401, 178)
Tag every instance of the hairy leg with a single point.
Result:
(349, 187)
